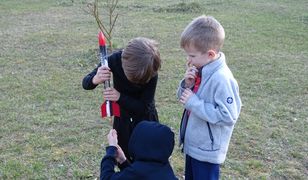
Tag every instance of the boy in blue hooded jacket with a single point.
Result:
(150, 145)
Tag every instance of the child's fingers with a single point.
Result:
(104, 67)
(104, 70)
(190, 76)
(105, 73)
(109, 134)
(110, 97)
(192, 71)
(106, 76)
(184, 95)
(187, 92)
(182, 100)
(109, 92)
(188, 65)
(114, 133)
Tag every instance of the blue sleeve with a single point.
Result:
(108, 164)
(87, 80)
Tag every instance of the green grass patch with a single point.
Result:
(51, 128)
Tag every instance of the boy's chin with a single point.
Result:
(198, 66)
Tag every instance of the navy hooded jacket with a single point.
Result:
(150, 145)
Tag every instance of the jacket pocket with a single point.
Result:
(214, 138)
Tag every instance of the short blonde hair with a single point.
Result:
(141, 60)
(203, 33)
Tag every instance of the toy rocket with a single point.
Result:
(108, 108)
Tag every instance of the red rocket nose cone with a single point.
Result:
(101, 39)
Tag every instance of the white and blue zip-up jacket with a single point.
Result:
(214, 110)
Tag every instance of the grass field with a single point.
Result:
(51, 128)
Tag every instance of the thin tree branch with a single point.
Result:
(107, 29)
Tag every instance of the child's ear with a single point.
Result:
(211, 53)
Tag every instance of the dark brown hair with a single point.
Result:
(141, 60)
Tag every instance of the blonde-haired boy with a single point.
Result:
(210, 95)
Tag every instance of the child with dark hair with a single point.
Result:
(135, 74)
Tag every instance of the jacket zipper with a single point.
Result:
(211, 135)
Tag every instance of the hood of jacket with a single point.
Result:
(151, 141)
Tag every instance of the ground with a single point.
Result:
(51, 127)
